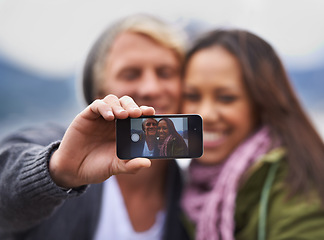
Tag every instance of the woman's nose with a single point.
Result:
(209, 111)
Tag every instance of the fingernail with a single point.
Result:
(122, 110)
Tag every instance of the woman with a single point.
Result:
(261, 174)
(170, 141)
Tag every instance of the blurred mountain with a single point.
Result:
(28, 98)
(309, 85)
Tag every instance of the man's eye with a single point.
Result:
(130, 75)
(166, 73)
(193, 97)
(151, 124)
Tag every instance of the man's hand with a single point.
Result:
(87, 153)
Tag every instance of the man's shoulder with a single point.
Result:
(42, 134)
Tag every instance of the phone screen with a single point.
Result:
(160, 136)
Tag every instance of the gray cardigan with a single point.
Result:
(33, 207)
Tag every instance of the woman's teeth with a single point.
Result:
(212, 136)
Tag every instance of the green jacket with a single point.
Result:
(264, 211)
(275, 217)
(175, 147)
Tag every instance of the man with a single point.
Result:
(44, 181)
(150, 146)
(147, 142)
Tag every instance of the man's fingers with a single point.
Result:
(96, 109)
(134, 165)
(117, 109)
(147, 110)
(130, 106)
(111, 107)
(133, 109)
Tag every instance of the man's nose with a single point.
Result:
(150, 84)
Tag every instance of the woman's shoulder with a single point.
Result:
(283, 210)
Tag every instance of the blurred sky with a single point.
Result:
(53, 36)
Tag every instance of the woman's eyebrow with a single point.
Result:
(226, 89)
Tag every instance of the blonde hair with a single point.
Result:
(161, 32)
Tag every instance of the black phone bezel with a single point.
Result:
(195, 136)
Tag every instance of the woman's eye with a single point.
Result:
(226, 98)
(193, 97)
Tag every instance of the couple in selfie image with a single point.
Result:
(260, 177)
(160, 139)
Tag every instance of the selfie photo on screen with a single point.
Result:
(159, 137)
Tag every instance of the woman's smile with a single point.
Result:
(214, 89)
(213, 139)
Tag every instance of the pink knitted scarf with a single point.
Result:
(164, 146)
(209, 199)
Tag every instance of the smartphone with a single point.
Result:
(160, 137)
